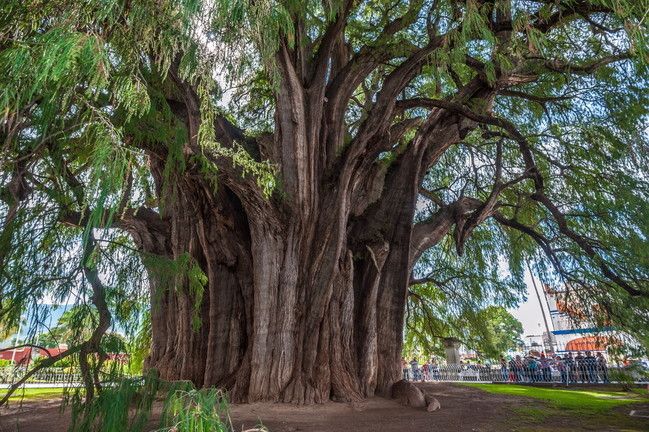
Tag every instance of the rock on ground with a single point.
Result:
(408, 394)
(432, 404)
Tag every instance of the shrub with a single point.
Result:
(126, 405)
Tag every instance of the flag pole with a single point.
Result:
(538, 296)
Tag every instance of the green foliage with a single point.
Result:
(74, 325)
(588, 135)
(434, 316)
(197, 411)
(7, 331)
(172, 274)
(90, 128)
(464, 297)
(127, 405)
(139, 346)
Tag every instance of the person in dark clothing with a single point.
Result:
(546, 372)
(562, 368)
(405, 369)
(532, 367)
(602, 367)
(434, 369)
(416, 372)
(570, 367)
(519, 369)
(503, 369)
(590, 363)
(580, 367)
(513, 376)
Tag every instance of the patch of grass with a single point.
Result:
(568, 409)
(532, 414)
(587, 401)
(34, 393)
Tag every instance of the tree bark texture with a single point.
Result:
(306, 291)
(305, 295)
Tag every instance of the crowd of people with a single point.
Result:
(581, 368)
(427, 372)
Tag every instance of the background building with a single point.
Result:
(574, 330)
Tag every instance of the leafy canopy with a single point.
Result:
(89, 91)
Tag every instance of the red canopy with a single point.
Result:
(587, 343)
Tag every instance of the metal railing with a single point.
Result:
(553, 373)
(54, 375)
(560, 374)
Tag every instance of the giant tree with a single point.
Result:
(273, 171)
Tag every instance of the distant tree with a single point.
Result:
(270, 176)
(501, 332)
(432, 317)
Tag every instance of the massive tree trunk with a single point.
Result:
(293, 310)
(303, 303)
(306, 290)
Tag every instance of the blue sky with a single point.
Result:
(529, 312)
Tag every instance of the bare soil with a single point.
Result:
(463, 409)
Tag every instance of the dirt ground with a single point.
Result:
(463, 409)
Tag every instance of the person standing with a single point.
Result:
(580, 366)
(503, 369)
(546, 372)
(590, 363)
(570, 367)
(520, 368)
(602, 367)
(562, 368)
(533, 369)
(405, 369)
(434, 368)
(426, 371)
(414, 367)
(512, 370)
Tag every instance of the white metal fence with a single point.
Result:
(9, 375)
(564, 374)
(570, 374)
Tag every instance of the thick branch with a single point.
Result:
(428, 233)
(367, 59)
(329, 39)
(98, 298)
(533, 172)
(123, 220)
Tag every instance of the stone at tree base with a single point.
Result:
(408, 394)
(432, 404)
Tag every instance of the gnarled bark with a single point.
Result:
(303, 304)
(306, 291)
